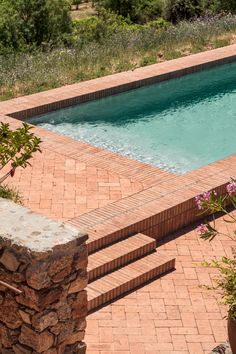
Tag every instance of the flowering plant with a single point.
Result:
(210, 202)
(16, 148)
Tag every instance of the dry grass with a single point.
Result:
(24, 73)
(85, 10)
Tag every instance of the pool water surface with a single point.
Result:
(178, 125)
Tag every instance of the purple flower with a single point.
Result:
(231, 187)
(202, 198)
(202, 229)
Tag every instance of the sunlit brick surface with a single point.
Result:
(169, 315)
(112, 198)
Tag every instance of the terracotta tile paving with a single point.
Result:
(70, 178)
(172, 314)
(112, 197)
(61, 187)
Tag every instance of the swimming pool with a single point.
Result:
(178, 125)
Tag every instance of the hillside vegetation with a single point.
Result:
(42, 47)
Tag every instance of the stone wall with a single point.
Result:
(45, 262)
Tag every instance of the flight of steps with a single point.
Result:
(123, 266)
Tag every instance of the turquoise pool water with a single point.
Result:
(178, 125)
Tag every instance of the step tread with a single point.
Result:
(128, 278)
(119, 254)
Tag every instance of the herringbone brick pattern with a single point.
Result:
(170, 315)
(62, 187)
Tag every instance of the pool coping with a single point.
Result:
(167, 202)
(65, 96)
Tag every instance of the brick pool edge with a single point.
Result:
(159, 186)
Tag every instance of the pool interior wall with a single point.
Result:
(178, 125)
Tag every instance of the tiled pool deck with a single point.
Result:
(112, 196)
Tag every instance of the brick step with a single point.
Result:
(128, 278)
(119, 254)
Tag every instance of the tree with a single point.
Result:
(27, 22)
(179, 10)
(77, 3)
(134, 9)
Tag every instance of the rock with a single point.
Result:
(74, 338)
(39, 300)
(63, 311)
(79, 305)
(25, 316)
(61, 275)
(41, 322)
(81, 348)
(20, 349)
(59, 264)
(7, 351)
(80, 325)
(1, 298)
(63, 330)
(9, 314)
(9, 260)
(81, 258)
(222, 349)
(51, 351)
(37, 276)
(78, 285)
(5, 337)
(40, 342)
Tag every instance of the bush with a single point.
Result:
(98, 28)
(26, 73)
(136, 10)
(25, 23)
(16, 149)
(211, 203)
(179, 10)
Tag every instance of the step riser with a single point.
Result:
(130, 285)
(157, 226)
(121, 261)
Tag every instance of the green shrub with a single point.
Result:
(25, 23)
(98, 28)
(179, 10)
(10, 193)
(159, 24)
(26, 73)
(16, 148)
(136, 10)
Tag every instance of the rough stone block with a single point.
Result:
(37, 341)
(9, 260)
(43, 321)
(43, 259)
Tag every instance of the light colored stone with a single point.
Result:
(43, 234)
(9, 260)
